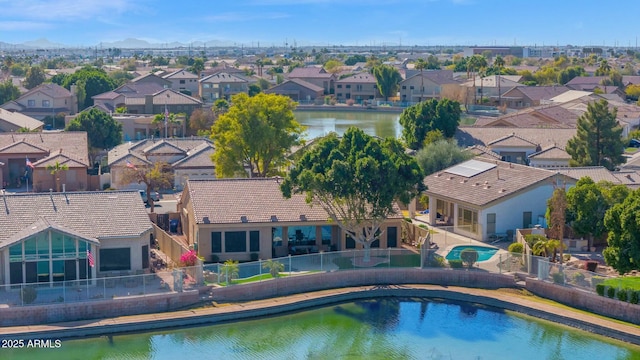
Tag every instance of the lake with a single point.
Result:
(386, 328)
(320, 123)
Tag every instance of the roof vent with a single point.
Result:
(502, 191)
(476, 184)
(463, 181)
(450, 178)
(244, 219)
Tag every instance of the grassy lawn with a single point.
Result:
(624, 282)
(467, 121)
(630, 150)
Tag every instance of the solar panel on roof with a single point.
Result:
(470, 168)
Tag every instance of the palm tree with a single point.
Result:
(421, 64)
(274, 267)
(55, 170)
(230, 270)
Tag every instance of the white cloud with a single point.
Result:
(65, 10)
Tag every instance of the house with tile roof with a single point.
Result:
(12, 121)
(47, 99)
(147, 98)
(552, 157)
(189, 158)
(221, 85)
(317, 76)
(358, 87)
(428, 84)
(153, 79)
(298, 90)
(42, 149)
(183, 80)
(480, 198)
(46, 237)
(233, 218)
(526, 96)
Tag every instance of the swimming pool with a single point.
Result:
(484, 252)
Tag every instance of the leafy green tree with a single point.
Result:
(556, 216)
(623, 223)
(55, 169)
(633, 92)
(598, 139)
(421, 64)
(603, 69)
(256, 132)
(264, 83)
(274, 267)
(387, 78)
(440, 155)
(356, 179)
(155, 177)
(353, 59)
(120, 77)
(8, 92)
(419, 119)
(35, 76)
(333, 66)
(200, 122)
(586, 206)
(197, 67)
(569, 73)
(103, 131)
(229, 271)
(433, 63)
(91, 81)
(220, 106)
(254, 89)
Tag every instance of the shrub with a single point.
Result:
(423, 226)
(190, 258)
(469, 257)
(408, 219)
(455, 264)
(254, 256)
(634, 297)
(599, 288)
(534, 238)
(558, 278)
(516, 248)
(350, 102)
(611, 292)
(622, 295)
(592, 265)
(28, 294)
(435, 260)
(578, 277)
(215, 258)
(106, 186)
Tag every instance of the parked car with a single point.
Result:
(155, 196)
(634, 143)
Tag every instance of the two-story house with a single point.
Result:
(431, 84)
(317, 76)
(47, 99)
(184, 81)
(221, 85)
(359, 87)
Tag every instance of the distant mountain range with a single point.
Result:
(123, 44)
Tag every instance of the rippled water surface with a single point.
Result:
(320, 123)
(373, 329)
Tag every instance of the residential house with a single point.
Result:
(489, 87)
(428, 84)
(221, 86)
(152, 79)
(47, 99)
(553, 157)
(189, 158)
(543, 116)
(11, 121)
(317, 76)
(26, 156)
(47, 237)
(361, 87)
(527, 96)
(299, 90)
(147, 98)
(481, 198)
(234, 218)
(183, 81)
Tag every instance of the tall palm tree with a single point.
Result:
(55, 170)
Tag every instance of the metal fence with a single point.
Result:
(236, 274)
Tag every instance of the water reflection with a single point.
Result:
(320, 123)
(387, 328)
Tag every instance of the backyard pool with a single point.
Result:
(484, 252)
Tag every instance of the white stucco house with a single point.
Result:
(483, 198)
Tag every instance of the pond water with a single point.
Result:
(373, 329)
(320, 123)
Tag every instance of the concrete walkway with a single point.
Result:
(232, 312)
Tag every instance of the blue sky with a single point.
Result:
(324, 22)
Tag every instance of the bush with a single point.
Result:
(106, 186)
(254, 256)
(634, 297)
(469, 257)
(592, 265)
(516, 248)
(190, 258)
(455, 264)
(599, 288)
(28, 294)
(215, 258)
(350, 102)
(435, 260)
(611, 292)
(423, 226)
(534, 238)
(558, 278)
(622, 295)
(578, 277)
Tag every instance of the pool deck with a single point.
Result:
(220, 313)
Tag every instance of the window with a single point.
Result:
(145, 256)
(404, 87)
(302, 235)
(46, 103)
(358, 87)
(326, 235)
(339, 86)
(350, 243)
(235, 241)
(276, 236)
(392, 236)
(115, 259)
(182, 82)
(410, 87)
(348, 86)
(31, 103)
(468, 219)
(216, 242)
(254, 241)
(206, 86)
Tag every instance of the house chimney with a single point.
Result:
(64, 186)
